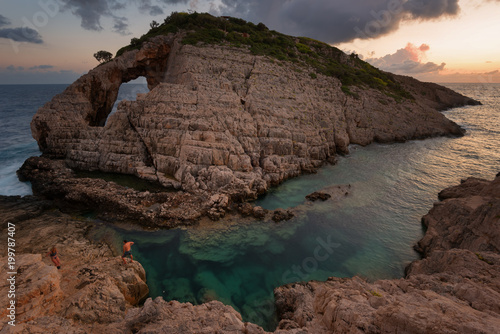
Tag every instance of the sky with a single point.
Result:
(53, 41)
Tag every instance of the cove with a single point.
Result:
(369, 233)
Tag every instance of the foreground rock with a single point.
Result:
(220, 120)
(92, 285)
(455, 288)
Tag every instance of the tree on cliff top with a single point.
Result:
(103, 56)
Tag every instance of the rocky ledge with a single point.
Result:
(454, 288)
(222, 124)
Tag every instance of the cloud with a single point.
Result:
(91, 12)
(24, 34)
(4, 21)
(121, 26)
(12, 68)
(336, 21)
(146, 6)
(431, 9)
(460, 77)
(408, 60)
(21, 35)
(41, 67)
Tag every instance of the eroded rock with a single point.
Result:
(220, 120)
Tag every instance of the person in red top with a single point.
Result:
(54, 257)
(127, 251)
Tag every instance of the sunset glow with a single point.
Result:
(53, 41)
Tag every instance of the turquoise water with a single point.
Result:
(370, 232)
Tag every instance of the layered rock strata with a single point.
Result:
(221, 120)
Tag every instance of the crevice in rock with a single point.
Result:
(149, 160)
(247, 78)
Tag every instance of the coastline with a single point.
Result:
(460, 279)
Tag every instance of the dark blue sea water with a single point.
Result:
(369, 233)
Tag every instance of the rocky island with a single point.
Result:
(233, 109)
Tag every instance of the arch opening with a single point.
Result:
(128, 91)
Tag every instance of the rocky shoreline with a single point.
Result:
(220, 125)
(454, 288)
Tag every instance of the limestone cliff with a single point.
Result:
(222, 119)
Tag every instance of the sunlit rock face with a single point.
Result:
(221, 119)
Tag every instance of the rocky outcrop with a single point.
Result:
(219, 119)
(455, 288)
(468, 218)
(109, 200)
(318, 195)
(92, 286)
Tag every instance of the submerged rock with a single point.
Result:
(318, 196)
(281, 214)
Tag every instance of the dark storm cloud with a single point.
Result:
(91, 12)
(431, 9)
(4, 21)
(21, 35)
(336, 21)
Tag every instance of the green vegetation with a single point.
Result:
(203, 28)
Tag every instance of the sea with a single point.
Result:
(369, 233)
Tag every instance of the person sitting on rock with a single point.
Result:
(127, 251)
(54, 257)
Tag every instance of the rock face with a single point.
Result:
(455, 288)
(221, 120)
(91, 287)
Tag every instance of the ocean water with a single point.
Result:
(369, 233)
(18, 105)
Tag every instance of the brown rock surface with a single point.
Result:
(219, 119)
(92, 285)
